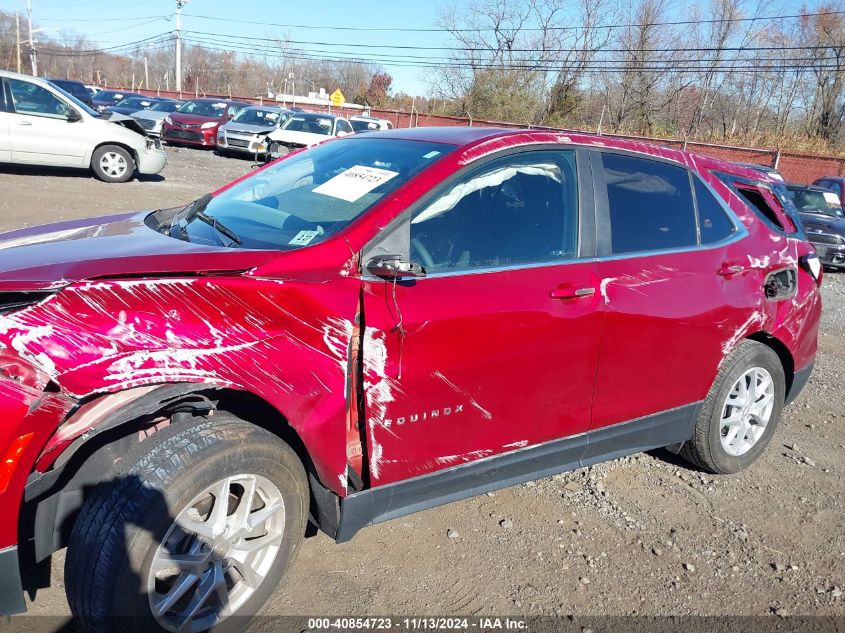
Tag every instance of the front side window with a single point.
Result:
(31, 99)
(309, 196)
(650, 203)
(520, 209)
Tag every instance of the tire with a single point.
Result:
(707, 448)
(112, 163)
(126, 524)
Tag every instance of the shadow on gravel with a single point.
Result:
(68, 172)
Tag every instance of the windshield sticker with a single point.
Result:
(355, 182)
(431, 154)
(831, 198)
(218, 106)
(303, 238)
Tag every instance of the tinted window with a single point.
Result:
(714, 223)
(32, 99)
(651, 205)
(516, 210)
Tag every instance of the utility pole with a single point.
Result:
(32, 55)
(179, 5)
(18, 37)
(146, 75)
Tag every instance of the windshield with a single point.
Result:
(213, 109)
(255, 116)
(814, 201)
(311, 195)
(364, 126)
(314, 124)
(135, 102)
(165, 106)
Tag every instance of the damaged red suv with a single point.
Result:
(367, 328)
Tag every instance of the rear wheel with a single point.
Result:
(112, 163)
(741, 411)
(202, 528)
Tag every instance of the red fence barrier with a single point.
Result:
(795, 166)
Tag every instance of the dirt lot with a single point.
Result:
(643, 535)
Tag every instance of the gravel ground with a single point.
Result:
(644, 535)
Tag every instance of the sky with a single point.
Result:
(110, 23)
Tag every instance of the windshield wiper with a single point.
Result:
(218, 226)
(197, 210)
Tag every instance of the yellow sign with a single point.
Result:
(337, 98)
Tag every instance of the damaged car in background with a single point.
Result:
(373, 326)
(305, 129)
(43, 125)
(246, 133)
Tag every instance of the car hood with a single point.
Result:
(234, 127)
(181, 117)
(821, 222)
(128, 122)
(150, 115)
(300, 138)
(55, 255)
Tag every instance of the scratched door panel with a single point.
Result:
(488, 363)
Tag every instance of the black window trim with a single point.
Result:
(603, 247)
(586, 217)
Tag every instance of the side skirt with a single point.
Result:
(390, 501)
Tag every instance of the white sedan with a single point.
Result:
(304, 129)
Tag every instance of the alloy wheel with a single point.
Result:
(216, 553)
(113, 164)
(747, 411)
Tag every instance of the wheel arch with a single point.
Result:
(54, 497)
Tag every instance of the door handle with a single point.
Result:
(569, 293)
(24, 123)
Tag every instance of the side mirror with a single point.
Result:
(73, 116)
(394, 266)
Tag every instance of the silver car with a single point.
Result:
(247, 131)
(152, 119)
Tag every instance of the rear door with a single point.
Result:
(39, 130)
(672, 293)
(496, 348)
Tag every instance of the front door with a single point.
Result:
(495, 349)
(39, 130)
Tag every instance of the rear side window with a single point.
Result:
(651, 205)
(754, 197)
(714, 223)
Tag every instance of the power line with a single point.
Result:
(701, 49)
(554, 28)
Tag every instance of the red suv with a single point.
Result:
(197, 121)
(373, 326)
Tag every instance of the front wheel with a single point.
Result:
(741, 411)
(202, 528)
(112, 163)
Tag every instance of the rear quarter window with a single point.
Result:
(714, 223)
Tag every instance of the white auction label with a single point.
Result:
(355, 182)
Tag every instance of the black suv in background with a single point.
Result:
(823, 217)
(74, 88)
